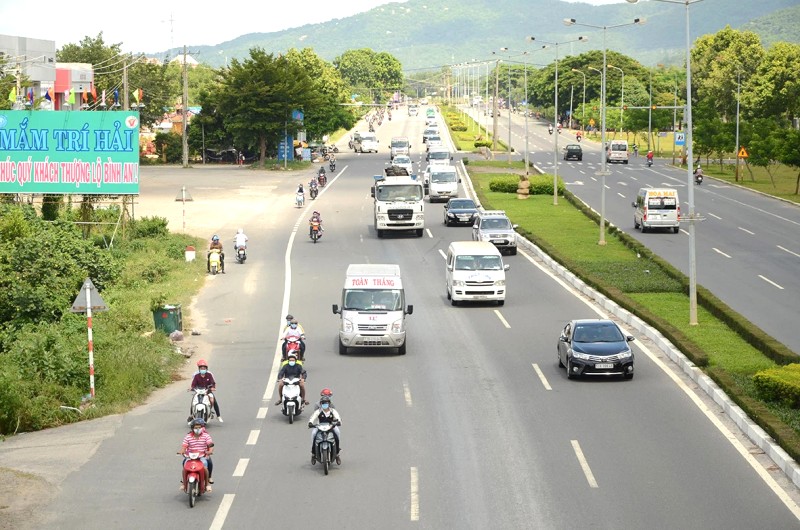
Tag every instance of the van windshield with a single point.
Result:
(442, 177)
(399, 192)
(399, 143)
(439, 155)
(373, 299)
(619, 147)
(478, 263)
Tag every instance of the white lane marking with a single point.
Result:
(594, 179)
(430, 234)
(414, 505)
(262, 413)
(444, 256)
(746, 230)
(621, 183)
(253, 438)
(770, 281)
(715, 216)
(407, 394)
(718, 251)
(621, 195)
(685, 231)
(584, 464)
(542, 378)
(241, 467)
(789, 251)
(222, 512)
(709, 414)
(503, 320)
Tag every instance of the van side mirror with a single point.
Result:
(372, 192)
(410, 309)
(459, 178)
(335, 309)
(514, 226)
(506, 267)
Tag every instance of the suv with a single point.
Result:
(495, 226)
(573, 151)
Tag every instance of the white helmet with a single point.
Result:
(240, 231)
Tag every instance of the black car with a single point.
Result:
(573, 152)
(595, 347)
(459, 211)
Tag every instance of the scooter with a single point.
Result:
(292, 404)
(324, 445)
(332, 166)
(292, 345)
(215, 261)
(578, 137)
(194, 477)
(550, 130)
(698, 178)
(300, 199)
(649, 162)
(241, 253)
(322, 179)
(201, 405)
(313, 191)
(316, 231)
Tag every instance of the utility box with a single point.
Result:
(168, 318)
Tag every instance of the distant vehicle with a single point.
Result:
(617, 151)
(573, 152)
(657, 208)
(494, 226)
(474, 272)
(423, 101)
(413, 110)
(434, 141)
(430, 131)
(595, 347)
(400, 146)
(405, 162)
(365, 141)
(441, 182)
(460, 211)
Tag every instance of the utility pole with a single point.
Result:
(185, 103)
(125, 101)
(494, 104)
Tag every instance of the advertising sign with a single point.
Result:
(69, 152)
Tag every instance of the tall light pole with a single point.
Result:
(604, 168)
(555, 111)
(622, 96)
(738, 89)
(692, 255)
(583, 116)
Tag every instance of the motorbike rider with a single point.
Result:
(205, 379)
(332, 162)
(650, 157)
(294, 331)
(292, 368)
(199, 441)
(578, 136)
(550, 129)
(215, 244)
(698, 174)
(312, 185)
(316, 216)
(239, 240)
(326, 414)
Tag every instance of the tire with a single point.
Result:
(342, 349)
(291, 416)
(635, 224)
(628, 377)
(402, 349)
(453, 302)
(569, 370)
(676, 229)
(625, 162)
(501, 303)
(513, 251)
(644, 228)
(193, 486)
(449, 296)
(419, 232)
(558, 355)
(380, 232)
(326, 461)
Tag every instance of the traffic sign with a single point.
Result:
(743, 153)
(81, 304)
(591, 122)
(680, 138)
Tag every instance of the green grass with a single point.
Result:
(782, 183)
(465, 140)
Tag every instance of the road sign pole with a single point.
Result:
(91, 340)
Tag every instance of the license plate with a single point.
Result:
(604, 366)
(499, 241)
(463, 217)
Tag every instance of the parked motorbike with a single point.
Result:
(241, 253)
(316, 231)
(300, 199)
(201, 405)
(292, 404)
(215, 261)
(324, 445)
(194, 477)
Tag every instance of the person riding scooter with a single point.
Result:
(215, 244)
(332, 162)
(550, 129)
(325, 414)
(294, 331)
(698, 175)
(649, 158)
(316, 217)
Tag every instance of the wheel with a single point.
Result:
(513, 251)
(644, 228)
(635, 224)
(342, 349)
(449, 296)
(326, 461)
(625, 162)
(193, 486)
(675, 229)
(402, 349)
(453, 302)
(315, 239)
(291, 416)
(569, 370)
(628, 377)
(446, 222)
(379, 231)
(560, 364)
(419, 232)
(501, 303)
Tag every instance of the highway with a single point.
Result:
(476, 427)
(747, 245)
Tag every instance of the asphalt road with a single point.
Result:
(476, 427)
(747, 246)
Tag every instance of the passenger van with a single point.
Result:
(657, 208)
(400, 146)
(365, 141)
(617, 151)
(441, 182)
(438, 156)
(474, 272)
(373, 312)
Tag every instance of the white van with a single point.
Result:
(474, 272)
(617, 151)
(365, 141)
(400, 146)
(439, 156)
(657, 208)
(373, 312)
(441, 182)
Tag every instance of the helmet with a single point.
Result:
(289, 317)
(315, 213)
(293, 321)
(324, 399)
(240, 231)
(215, 238)
(326, 392)
(698, 166)
(291, 355)
(202, 362)
(198, 421)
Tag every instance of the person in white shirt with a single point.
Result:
(325, 414)
(294, 331)
(240, 239)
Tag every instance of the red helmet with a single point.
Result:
(202, 362)
(326, 392)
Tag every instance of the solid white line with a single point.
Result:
(262, 413)
(770, 281)
(584, 464)
(444, 256)
(789, 251)
(430, 234)
(746, 230)
(503, 320)
(718, 251)
(222, 512)
(407, 394)
(542, 378)
(241, 467)
(253, 438)
(414, 505)
(715, 216)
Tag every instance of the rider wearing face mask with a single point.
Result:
(325, 414)
(294, 331)
(290, 370)
(199, 441)
(205, 379)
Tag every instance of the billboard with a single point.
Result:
(69, 152)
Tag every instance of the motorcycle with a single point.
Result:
(241, 253)
(698, 178)
(215, 261)
(316, 231)
(649, 162)
(300, 199)
(550, 130)
(194, 477)
(332, 166)
(313, 191)
(322, 179)
(292, 345)
(201, 405)
(324, 445)
(292, 404)
(578, 137)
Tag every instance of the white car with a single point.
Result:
(404, 161)
(434, 141)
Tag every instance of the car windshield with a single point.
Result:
(573, 148)
(438, 155)
(402, 160)
(478, 263)
(496, 224)
(601, 332)
(434, 139)
(619, 147)
(399, 143)
(373, 300)
(444, 176)
(399, 192)
(462, 205)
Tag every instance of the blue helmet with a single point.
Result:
(215, 238)
(198, 421)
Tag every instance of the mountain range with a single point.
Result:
(428, 34)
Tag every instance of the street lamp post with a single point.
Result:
(622, 95)
(583, 114)
(692, 255)
(604, 169)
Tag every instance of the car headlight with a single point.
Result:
(380, 217)
(348, 326)
(419, 217)
(500, 282)
(485, 237)
(458, 283)
(579, 355)
(397, 326)
(625, 354)
(450, 214)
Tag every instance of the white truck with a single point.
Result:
(373, 312)
(398, 202)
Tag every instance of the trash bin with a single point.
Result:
(168, 318)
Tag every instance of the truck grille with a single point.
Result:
(372, 327)
(405, 214)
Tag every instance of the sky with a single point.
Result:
(156, 25)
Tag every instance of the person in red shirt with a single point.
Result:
(205, 379)
(199, 441)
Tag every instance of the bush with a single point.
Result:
(508, 184)
(458, 127)
(781, 385)
(149, 227)
(483, 143)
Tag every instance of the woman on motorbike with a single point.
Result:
(325, 414)
(199, 441)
